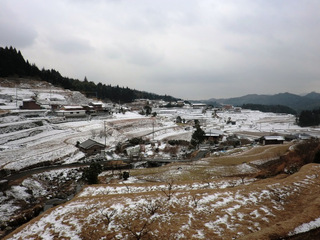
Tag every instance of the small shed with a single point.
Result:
(90, 147)
(267, 140)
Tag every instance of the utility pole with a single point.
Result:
(16, 95)
(105, 133)
(153, 130)
(105, 138)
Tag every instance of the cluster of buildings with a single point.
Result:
(92, 108)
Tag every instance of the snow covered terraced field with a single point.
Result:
(25, 143)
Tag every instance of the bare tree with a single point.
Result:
(152, 206)
(168, 191)
(138, 225)
(109, 216)
(195, 200)
(127, 187)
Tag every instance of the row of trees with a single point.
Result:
(12, 64)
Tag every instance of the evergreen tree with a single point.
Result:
(198, 136)
(91, 173)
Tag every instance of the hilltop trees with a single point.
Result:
(12, 64)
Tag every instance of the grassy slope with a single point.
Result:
(190, 201)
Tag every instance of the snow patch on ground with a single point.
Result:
(305, 227)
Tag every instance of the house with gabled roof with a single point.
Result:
(90, 147)
(30, 103)
(267, 140)
(213, 135)
(71, 111)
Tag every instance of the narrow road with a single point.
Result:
(26, 173)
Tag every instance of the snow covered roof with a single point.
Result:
(278, 138)
(97, 103)
(72, 107)
(213, 132)
(28, 100)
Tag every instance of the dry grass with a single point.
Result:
(212, 167)
(188, 202)
(261, 210)
(257, 153)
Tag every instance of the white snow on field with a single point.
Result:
(47, 96)
(56, 142)
(69, 231)
(22, 145)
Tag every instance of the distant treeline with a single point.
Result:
(309, 118)
(12, 64)
(270, 108)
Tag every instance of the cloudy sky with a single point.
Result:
(191, 49)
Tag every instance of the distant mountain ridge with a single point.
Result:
(307, 102)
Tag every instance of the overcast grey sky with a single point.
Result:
(191, 49)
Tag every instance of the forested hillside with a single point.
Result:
(296, 102)
(270, 108)
(13, 64)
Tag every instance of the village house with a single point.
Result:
(89, 109)
(180, 103)
(30, 104)
(97, 106)
(90, 147)
(133, 152)
(267, 140)
(71, 111)
(199, 105)
(213, 135)
(138, 104)
(227, 107)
